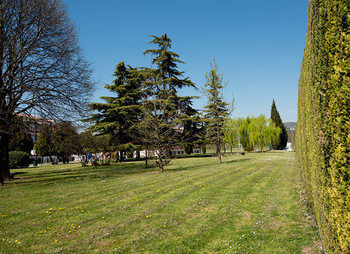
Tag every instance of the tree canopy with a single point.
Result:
(42, 70)
(119, 114)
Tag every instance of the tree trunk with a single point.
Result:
(203, 149)
(52, 161)
(218, 151)
(146, 160)
(160, 164)
(4, 158)
(137, 154)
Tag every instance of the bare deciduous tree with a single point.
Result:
(41, 67)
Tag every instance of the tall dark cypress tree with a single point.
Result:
(281, 142)
(216, 110)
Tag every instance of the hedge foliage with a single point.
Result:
(18, 159)
(323, 129)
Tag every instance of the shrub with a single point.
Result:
(323, 140)
(18, 159)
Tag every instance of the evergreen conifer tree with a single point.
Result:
(164, 111)
(281, 142)
(216, 110)
(118, 114)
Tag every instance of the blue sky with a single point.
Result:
(258, 45)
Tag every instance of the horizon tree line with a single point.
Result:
(44, 73)
(147, 113)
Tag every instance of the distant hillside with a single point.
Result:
(290, 124)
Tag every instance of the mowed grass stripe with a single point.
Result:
(190, 218)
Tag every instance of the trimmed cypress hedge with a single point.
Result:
(323, 129)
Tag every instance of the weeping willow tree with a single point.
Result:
(251, 132)
(231, 133)
(262, 132)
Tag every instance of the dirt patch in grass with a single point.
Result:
(316, 247)
(275, 225)
(246, 214)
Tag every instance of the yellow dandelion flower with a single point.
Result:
(56, 241)
(69, 232)
(50, 209)
(102, 217)
(33, 223)
(79, 226)
(164, 226)
(138, 214)
(16, 241)
(58, 234)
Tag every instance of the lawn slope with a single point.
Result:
(249, 204)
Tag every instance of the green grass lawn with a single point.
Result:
(249, 204)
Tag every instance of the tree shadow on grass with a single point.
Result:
(98, 172)
(175, 168)
(236, 161)
(54, 175)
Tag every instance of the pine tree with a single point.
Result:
(191, 128)
(216, 110)
(163, 110)
(118, 114)
(281, 142)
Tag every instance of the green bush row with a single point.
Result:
(18, 159)
(323, 130)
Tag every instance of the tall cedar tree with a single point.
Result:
(164, 111)
(281, 142)
(216, 111)
(119, 114)
(191, 128)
